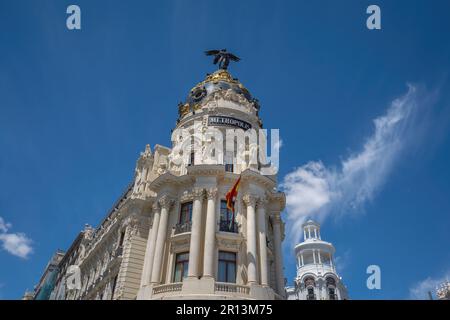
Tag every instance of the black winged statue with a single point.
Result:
(222, 57)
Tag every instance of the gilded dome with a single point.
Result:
(221, 80)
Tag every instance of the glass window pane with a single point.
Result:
(182, 257)
(186, 212)
(228, 256)
(177, 274)
(222, 272)
(185, 269)
(231, 272)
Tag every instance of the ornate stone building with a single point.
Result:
(171, 235)
(316, 278)
(43, 289)
(443, 291)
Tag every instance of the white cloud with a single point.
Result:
(17, 244)
(4, 226)
(316, 191)
(420, 290)
(277, 145)
(342, 261)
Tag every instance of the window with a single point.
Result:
(332, 294)
(185, 212)
(181, 266)
(227, 267)
(330, 281)
(192, 158)
(122, 238)
(310, 284)
(229, 161)
(331, 285)
(311, 295)
(227, 223)
(184, 222)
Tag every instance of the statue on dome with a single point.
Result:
(222, 57)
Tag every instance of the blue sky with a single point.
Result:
(77, 107)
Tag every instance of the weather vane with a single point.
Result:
(222, 57)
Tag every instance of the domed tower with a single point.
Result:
(197, 247)
(316, 278)
(215, 107)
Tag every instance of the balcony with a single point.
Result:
(224, 287)
(226, 226)
(183, 227)
(170, 287)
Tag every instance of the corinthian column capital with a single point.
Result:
(211, 193)
(155, 206)
(166, 201)
(198, 193)
(249, 199)
(261, 202)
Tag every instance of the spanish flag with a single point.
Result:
(231, 197)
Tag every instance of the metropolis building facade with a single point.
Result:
(171, 235)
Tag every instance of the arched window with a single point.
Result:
(311, 295)
(310, 285)
(331, 288)
(331, 282)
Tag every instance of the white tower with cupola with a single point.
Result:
(316, 278)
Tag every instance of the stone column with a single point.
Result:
(314, 255)
(150, 250)
(165, 202)
(143, 179)
(250, 201)
(278, 254)
(210, 234)
(194, 247)
(261, 213)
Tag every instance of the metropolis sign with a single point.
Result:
(228, 121)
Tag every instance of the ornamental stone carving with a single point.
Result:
(261, 202)
(229, 244)
(249, 200)
(198, 193)
(166, 202)
(180, 245)
(211, 193)
(186, 196)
